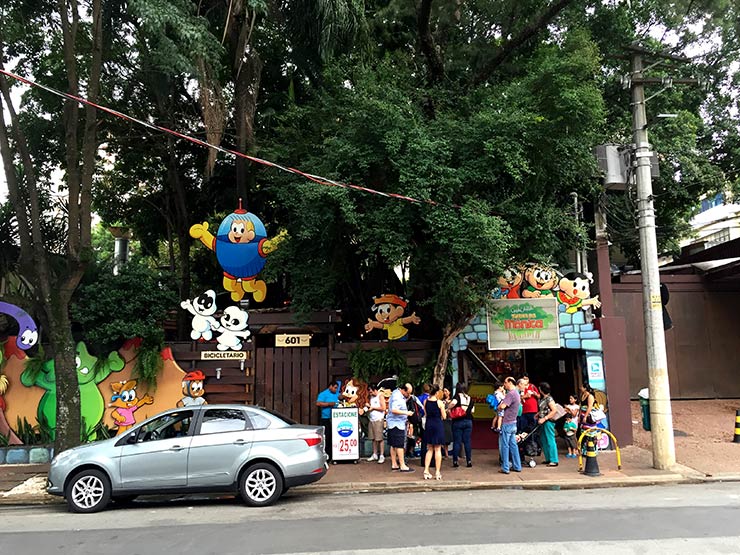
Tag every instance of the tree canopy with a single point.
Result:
(485, 111)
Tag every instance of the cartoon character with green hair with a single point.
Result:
(45, 378)
(90, 372)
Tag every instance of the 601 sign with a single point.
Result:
(293, 340)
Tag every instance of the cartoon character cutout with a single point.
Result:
(92, 371)
(509, 284)
(389, 311)
(125, 403)
(45, 378)
(202, 307)
(241, 245)
(354, 394)
(192, 389)
(233, 329)
(539, 281)
(575, 292)
(28, 333)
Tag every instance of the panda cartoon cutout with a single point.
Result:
(233, 329)
(202, 307)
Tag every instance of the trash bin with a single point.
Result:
(645, 406)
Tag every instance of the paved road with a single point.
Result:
(659, 519)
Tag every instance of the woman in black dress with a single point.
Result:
(434, 434)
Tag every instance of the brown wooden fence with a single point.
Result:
(285, 379)
(227, 381)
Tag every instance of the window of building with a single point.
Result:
(711, 202)
(714, 239)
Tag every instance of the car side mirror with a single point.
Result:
(131, 439)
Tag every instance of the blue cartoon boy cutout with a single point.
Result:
(241, 245)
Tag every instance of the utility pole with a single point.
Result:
(661, 418)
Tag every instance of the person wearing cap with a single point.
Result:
(389, 311)
(192, 389)
(326, 400)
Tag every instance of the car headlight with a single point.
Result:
(62, 456)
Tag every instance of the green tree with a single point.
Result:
(71, 51)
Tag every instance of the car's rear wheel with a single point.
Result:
(88, 491)
(260, 485)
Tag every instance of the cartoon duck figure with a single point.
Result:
(508, 284)
(125, 404)
(241, 246)
(233, 329)
(388, 311)
(539, 281)
(202, 307)
(192, 389)
(575, 290)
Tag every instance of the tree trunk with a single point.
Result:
(449, 333)
(69, 421)
(246, 72)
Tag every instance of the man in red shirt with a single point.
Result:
(530, 402)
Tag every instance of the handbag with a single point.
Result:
(597, 414)
(457, 412)
(559, 412)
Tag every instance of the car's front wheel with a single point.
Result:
(261, 485)
(88, 491)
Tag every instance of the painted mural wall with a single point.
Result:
(110, 393)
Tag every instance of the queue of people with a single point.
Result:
(527, 422)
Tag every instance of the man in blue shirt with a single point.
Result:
(396, 421)
(326, 400)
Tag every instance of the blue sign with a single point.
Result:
(344, 428)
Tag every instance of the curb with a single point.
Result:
(354, 488)
(458, 485)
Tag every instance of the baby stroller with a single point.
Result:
(529, 447)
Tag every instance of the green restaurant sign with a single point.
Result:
(523, 324)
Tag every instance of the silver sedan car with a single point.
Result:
(208, 448)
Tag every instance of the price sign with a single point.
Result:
(293, 340)
(345, 434)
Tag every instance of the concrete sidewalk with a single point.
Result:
(24, 484)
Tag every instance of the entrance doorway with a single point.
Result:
(558, 367)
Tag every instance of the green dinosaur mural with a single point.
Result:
(45, 378)
(90, 372)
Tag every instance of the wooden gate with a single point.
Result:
(288, 380)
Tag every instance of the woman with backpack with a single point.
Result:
(461, 413)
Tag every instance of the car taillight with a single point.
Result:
(312, 440)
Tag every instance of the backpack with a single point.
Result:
(413, 405)
(492, 401)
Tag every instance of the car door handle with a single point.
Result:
(239, 442)
(176, 448)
